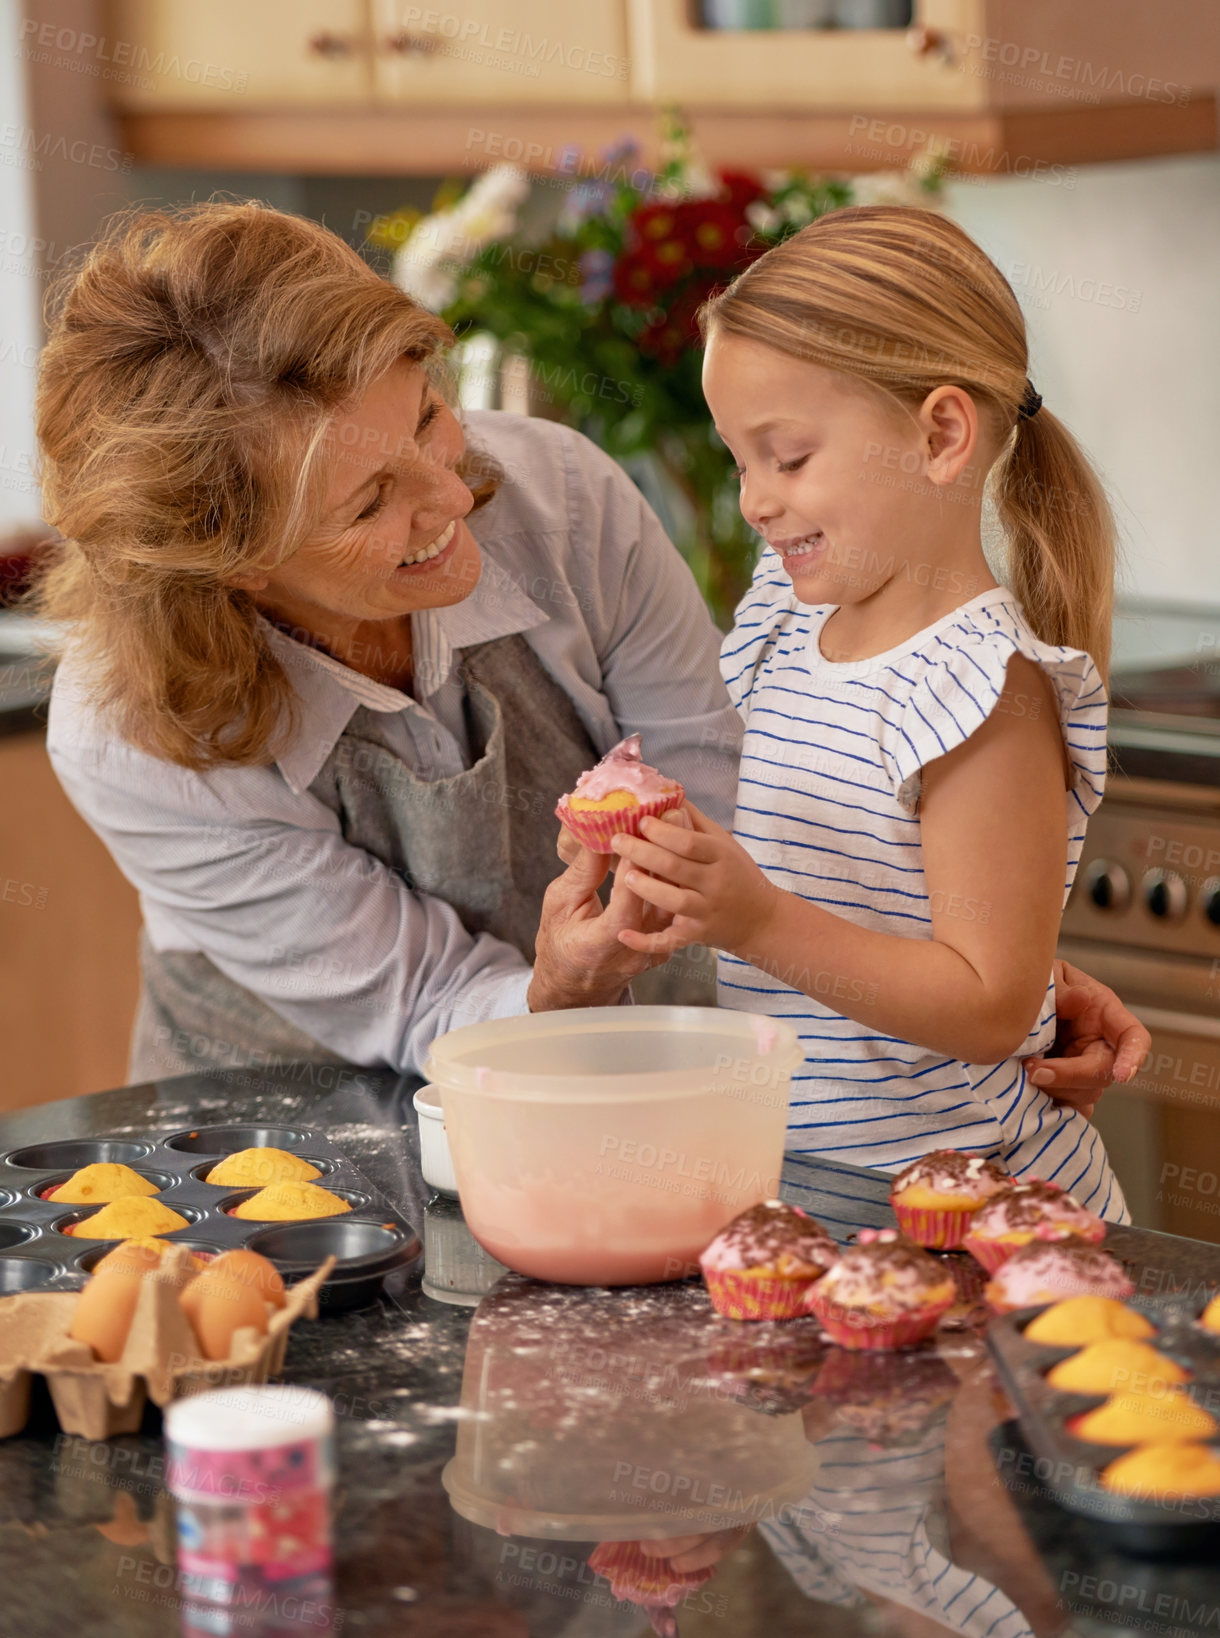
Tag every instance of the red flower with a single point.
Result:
(713, 232)
(670, 334)
(740, 189)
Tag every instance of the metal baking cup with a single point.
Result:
(369, 1242)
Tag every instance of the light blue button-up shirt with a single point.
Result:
(246, 866)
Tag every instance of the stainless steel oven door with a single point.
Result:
(1162, 1130)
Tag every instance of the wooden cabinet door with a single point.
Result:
(485, 53)
(69, 925)
(809, 70)
(234, 56)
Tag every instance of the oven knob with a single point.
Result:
(1165, 895)
(1107, 885)
(1209, 899)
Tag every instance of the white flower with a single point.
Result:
(890, 188)
(428, 264)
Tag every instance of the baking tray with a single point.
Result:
(370, 1242)
(1069, 1467)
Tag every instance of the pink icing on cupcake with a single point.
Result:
(1038, 1209)
(1045, 1272)
(886, 1273)
(759, 1237)
(622, 769)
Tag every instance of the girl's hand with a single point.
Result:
(701, 877)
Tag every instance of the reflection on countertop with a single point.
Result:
(497, 1462)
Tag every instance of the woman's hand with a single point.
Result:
(1099, 1040)
(579, 960)
(702, 878)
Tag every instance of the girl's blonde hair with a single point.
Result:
(192, 368)
(902, 298)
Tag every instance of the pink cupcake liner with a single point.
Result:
(940, 1227)
(994, 1254)
(644, 1580)
(748, 1295)
(595, 828)
(848, 1328)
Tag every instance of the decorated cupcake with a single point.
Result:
(99, 1183)
(1045, 1271)
(882, 1293)
(934, 1197)
(1115, 1365)
(763, 1265)
(612, 798)
(1023, 1213)
(1162, 1473)
(291, 1203)
(1133, 1418)
(1077, 1321)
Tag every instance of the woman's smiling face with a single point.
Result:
(392, 537)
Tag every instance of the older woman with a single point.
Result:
(333, 658)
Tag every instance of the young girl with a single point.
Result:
(923, 746)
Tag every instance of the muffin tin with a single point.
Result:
(370, 1242)
(1068, 1466)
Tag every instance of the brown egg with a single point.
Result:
(218, 1303)
(139, 1254)
(105, 1308)
(248, 1268)
(102, 1316)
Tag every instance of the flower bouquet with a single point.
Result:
(597, 296)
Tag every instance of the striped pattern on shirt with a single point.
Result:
(827, 805)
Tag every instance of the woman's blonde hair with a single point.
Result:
(902, 298)
(192, 368)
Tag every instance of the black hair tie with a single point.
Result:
(1031, 403)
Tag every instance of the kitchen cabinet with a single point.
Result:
(230, 54)
(530, 52)
(381, 87)
(962, 55)
(69, 923)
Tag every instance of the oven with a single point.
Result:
(1144, 913)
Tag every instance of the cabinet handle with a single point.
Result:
(930, 42)
(331, 46)
(406, 44)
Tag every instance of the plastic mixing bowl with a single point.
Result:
(607, 1146)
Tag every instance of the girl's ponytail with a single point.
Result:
(1060, 536)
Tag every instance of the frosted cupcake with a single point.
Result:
(883, 1293)
(612, 798)
(1023, 1213)
(763, 1265)
(934, 1197)
(1044, 1272)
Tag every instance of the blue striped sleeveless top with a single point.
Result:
(828, 806)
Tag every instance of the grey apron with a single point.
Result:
(483, 840)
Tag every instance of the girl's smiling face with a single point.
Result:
(831, 476)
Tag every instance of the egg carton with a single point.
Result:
(1068, 1466)
(368, 1243)
(160, 1359)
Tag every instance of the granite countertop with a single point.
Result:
(488, 1442)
